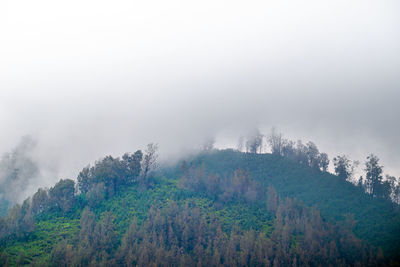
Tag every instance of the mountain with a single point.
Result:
(221, 207)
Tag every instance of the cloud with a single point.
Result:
(18, 170)
(92, 78)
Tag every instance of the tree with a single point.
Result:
(343, 167)
(87, 224)
(96, 195)
(374, 176)
(132, 164)
(62, 195)
(84, 179)
(312, 155)
(272, 199)
(62, 254)
(289, 149)
(276, 142)
(105, 238)
(323, 162)
(396, 191)
(301, 153)
(149, 161)
(386, 188)
(254, 142)
(114, 173)
(40, 201)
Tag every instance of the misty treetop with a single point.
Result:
(307, 154)
(111, 174)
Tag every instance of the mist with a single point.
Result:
(89, 79)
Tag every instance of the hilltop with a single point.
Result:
(220, 207)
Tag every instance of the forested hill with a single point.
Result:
(219, 208)
(374, 219)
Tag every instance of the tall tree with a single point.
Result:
(312, 155)
(40, 201)
(62, 195)
(254, 142)
(132, 162)
(149, 161)
(374, 176)
(276, 142)
(323, 162)
(343, 167)
(396, 191)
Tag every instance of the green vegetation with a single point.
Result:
(218, 208)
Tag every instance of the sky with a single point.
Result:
(90, 78)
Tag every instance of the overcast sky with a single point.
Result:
(91, 78)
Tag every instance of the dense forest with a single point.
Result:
(241, 207)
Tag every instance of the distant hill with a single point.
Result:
(220, 208)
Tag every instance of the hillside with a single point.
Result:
(218, 208)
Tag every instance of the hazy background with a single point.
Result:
(91, 78)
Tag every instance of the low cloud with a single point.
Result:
(91, 79)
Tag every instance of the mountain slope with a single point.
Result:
(218, 208)
(377, 220)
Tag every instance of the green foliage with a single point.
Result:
(62, 195)
(113, 173)
(38, 245)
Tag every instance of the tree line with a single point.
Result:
(96, 183)
(186, 235)
(373, 182)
